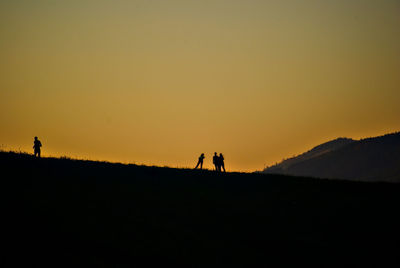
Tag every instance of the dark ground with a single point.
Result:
(66, 213)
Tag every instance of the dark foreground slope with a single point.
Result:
(372, 159)
(63, 213)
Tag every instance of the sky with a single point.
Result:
(159, 82)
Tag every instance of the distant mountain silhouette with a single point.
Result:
(372, 159)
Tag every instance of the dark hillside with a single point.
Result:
(65, 213)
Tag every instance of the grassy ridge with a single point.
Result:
(62, 212)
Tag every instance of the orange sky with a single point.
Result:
(159, 82)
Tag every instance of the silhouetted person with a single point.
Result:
(36, 146)
(216, 162)
(221, 162)
(201, 158)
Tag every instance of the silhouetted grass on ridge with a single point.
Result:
(64, 213)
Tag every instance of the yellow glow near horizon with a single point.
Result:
(159, 82)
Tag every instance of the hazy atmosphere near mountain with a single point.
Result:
(372, 159)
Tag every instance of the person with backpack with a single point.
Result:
(36, 147)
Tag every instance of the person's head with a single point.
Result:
(202, 154)
(215, 153)
(220, 154)
(35, 138)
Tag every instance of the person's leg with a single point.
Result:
(39, 153)
(201, 165)
(197, 165)
(223, 166)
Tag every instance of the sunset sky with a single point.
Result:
(159, 82)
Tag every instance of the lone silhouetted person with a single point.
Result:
(216, 162)
(221, 162)
(36, 146)
(201, 158)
